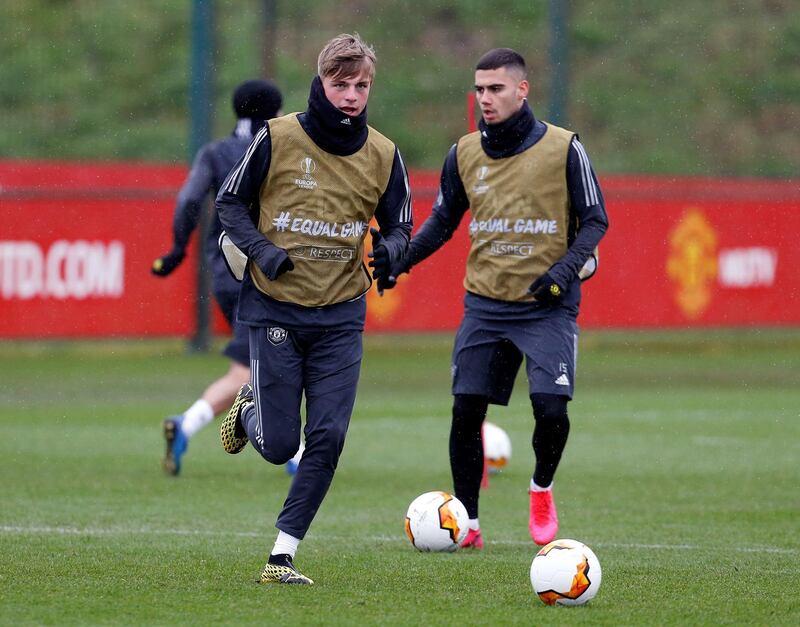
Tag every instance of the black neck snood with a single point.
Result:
(502, 140)
(332, 130)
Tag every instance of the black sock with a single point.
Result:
(280, 559)
(549, 435)
(466, 449)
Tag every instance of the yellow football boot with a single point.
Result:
(231, 432)
(283, 571)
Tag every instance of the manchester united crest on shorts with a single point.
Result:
(276, 335)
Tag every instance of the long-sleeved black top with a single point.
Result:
(238, 208)
(587, 216)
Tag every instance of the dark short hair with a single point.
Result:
(501, 57)
(258, 99)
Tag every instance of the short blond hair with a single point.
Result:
(346, 55)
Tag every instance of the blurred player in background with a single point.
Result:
(254, 102)
(298, 205)
(537, 216)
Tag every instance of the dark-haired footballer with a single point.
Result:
(298, 204)
(254, 102)
(537, 217)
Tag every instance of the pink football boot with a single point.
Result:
(473, 540)
(543, 521)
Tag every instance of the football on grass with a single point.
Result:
(436, 521)
(496, 447)
(565, 572)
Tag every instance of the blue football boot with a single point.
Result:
(292, 464)
(177, 444)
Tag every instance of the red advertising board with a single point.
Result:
(77, 242)
(679, 252)
(76, 248)
(697, 252)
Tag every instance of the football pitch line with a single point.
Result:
(147, 531)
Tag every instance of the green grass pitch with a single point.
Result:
(682, 472)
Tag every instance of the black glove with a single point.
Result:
(381, 263)
(546, 291)
(163, 266)
(287, 265)
(398, 267)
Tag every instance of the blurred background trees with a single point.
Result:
(682, 87)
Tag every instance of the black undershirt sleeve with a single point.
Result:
(588, 207)
(394, 212)
(448, 210)
(238, 205)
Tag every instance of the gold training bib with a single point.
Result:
(317, 206)
(520, 213)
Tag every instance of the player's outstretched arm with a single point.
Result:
(449, 208)
(188, 208)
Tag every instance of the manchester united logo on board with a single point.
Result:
(692, 262)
